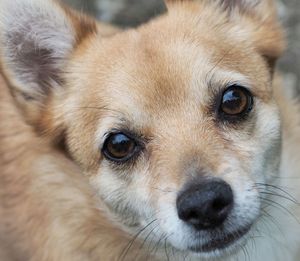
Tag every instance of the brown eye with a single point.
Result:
(119, 147)
(236, 101)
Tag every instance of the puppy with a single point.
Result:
(177, 126)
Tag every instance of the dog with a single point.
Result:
(171, 141)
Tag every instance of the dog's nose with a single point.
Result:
(205, 205)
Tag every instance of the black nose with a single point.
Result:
(205, 205)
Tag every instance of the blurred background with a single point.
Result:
(130, 13)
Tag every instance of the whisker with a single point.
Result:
(279, 206)
(270, 234)
(278, 188)
(129, 245)
(266, 214)
(281, 196)
(151, 243)
(157, 245)
(286, 178)
(148, 235)
(166, 249)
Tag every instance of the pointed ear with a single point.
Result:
(241, 5)
(36, 40)
(259, 9)
(260, 18)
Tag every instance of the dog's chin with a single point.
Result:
(220, 244)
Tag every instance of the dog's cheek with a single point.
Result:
(125, 194)
(258, 149)
(270, 141)
(263, 160)
(269, 161)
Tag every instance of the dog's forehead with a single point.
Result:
(155, 82)
(170, 75)
(171, 67)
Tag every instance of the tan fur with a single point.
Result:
(159, 80)
(47, 209)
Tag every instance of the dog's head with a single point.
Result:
(174, 123)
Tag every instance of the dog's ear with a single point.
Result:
(241, 5)
(36, 39)
(258, 18)
(262, 9)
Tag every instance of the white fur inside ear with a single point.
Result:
(36, 36)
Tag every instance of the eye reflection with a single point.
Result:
(236, 101)
(119, 147)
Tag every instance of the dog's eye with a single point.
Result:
(119, 147)
(236, 101)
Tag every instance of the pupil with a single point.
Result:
(232, 100)
(120, 146)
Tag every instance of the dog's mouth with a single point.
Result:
(221, 242)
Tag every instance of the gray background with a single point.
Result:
(129, 13)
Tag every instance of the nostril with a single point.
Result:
(217, 205)
(192, 215)
(220, 204)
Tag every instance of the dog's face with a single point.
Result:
(174, 123)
